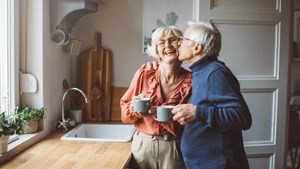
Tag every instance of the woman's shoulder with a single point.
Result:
(187, 77)
(187, 74)
(146, 74)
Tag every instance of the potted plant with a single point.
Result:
(28, 118)
(7, 128)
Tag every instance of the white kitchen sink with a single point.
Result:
(101, 132)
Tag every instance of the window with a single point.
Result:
(8, 55)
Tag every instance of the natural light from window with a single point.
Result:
(7, 57)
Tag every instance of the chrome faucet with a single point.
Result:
(66, 123)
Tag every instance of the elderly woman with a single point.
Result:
(157, 144)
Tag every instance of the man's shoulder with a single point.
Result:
(218, 66)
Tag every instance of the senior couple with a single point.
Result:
(209, 114)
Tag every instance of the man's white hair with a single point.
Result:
(207, 35)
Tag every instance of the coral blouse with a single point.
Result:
(148, 82)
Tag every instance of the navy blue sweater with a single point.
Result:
(214, 140)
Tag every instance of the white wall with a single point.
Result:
(56, 68)
(47, 62)
(121, 25)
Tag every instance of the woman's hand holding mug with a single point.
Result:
(141, 106)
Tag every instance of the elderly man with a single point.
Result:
(217, 113)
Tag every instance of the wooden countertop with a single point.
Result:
(52, 152)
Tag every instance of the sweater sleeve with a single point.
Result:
(227, 109)
(134, 89)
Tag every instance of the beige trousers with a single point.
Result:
(156, 152)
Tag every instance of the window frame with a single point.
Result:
(10, 49)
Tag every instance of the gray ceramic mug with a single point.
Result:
(142, 105)
(164, 113)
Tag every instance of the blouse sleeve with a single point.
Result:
(134, 89)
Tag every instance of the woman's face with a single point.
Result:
(167, 48)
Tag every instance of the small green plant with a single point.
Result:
(7, 127)
(26, 114)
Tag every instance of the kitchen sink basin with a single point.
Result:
(101, 132)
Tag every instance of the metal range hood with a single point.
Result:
(66, 13)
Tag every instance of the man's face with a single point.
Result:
(186, 48)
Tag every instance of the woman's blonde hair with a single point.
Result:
(164, 30)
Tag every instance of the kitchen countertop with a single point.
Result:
(52, 152)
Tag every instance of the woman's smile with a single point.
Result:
(170, 55)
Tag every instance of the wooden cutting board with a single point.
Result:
(94, 78)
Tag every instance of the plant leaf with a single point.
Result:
(160, 23)
(171, 18)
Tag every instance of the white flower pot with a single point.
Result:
(3, 143)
